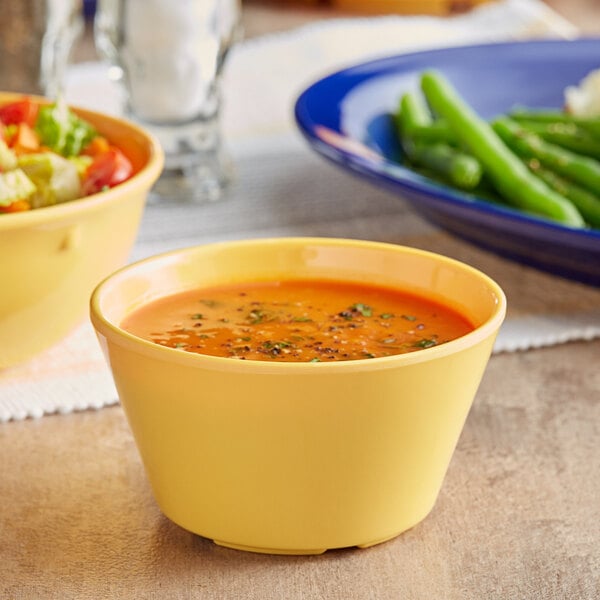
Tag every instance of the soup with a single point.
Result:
(297, 321)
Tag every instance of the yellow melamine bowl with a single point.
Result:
(53, 257)
(297, 458)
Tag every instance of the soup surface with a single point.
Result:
(297, 321)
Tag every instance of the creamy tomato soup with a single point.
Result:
(297, 321)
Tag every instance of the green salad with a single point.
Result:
(49, 155)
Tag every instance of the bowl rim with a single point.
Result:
(144, 178)
(119, 336)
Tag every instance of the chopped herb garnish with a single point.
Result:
(238, 349)
(180, 345)
(364, 309)
(301, 319)
(387, 316)
(270, 345)
(315, 359)
(257, 316)
(425, 343)
(409, 317)
(368, 355)
(209, 303)
(197, 316)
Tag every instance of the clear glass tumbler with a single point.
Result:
(36, 38)
(167, 56)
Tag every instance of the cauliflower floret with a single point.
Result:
(8, 159)
(15, 185)
(583, 100)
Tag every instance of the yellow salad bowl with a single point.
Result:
(297, 458)
(53, 257)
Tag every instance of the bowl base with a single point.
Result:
(270, 550)
(379, 541)
(302, 551)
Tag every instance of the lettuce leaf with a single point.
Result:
(63, 131)
(55, 178)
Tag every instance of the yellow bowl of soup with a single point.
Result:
(53, 257)
(292, 440)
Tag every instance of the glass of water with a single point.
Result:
(167, 57)
(36, 38)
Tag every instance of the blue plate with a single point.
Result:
(346, 118)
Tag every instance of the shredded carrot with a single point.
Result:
(16, 206)
(99, 145)
(25, 140)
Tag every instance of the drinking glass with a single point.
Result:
(36, 38)
(167, 57)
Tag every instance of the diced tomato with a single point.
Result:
(99, 145)
(21, 111)
(16, 206)
(107, 169)
(25, 139)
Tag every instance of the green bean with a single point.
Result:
(580, 169)
(567, 135)
(511, 177)
(414, 119)
(590, 124)
(459, 168)
(412, 113)
(438, 131)
(586, 202)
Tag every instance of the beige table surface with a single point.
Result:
(518, 516)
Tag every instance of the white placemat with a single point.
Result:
(282, 188)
